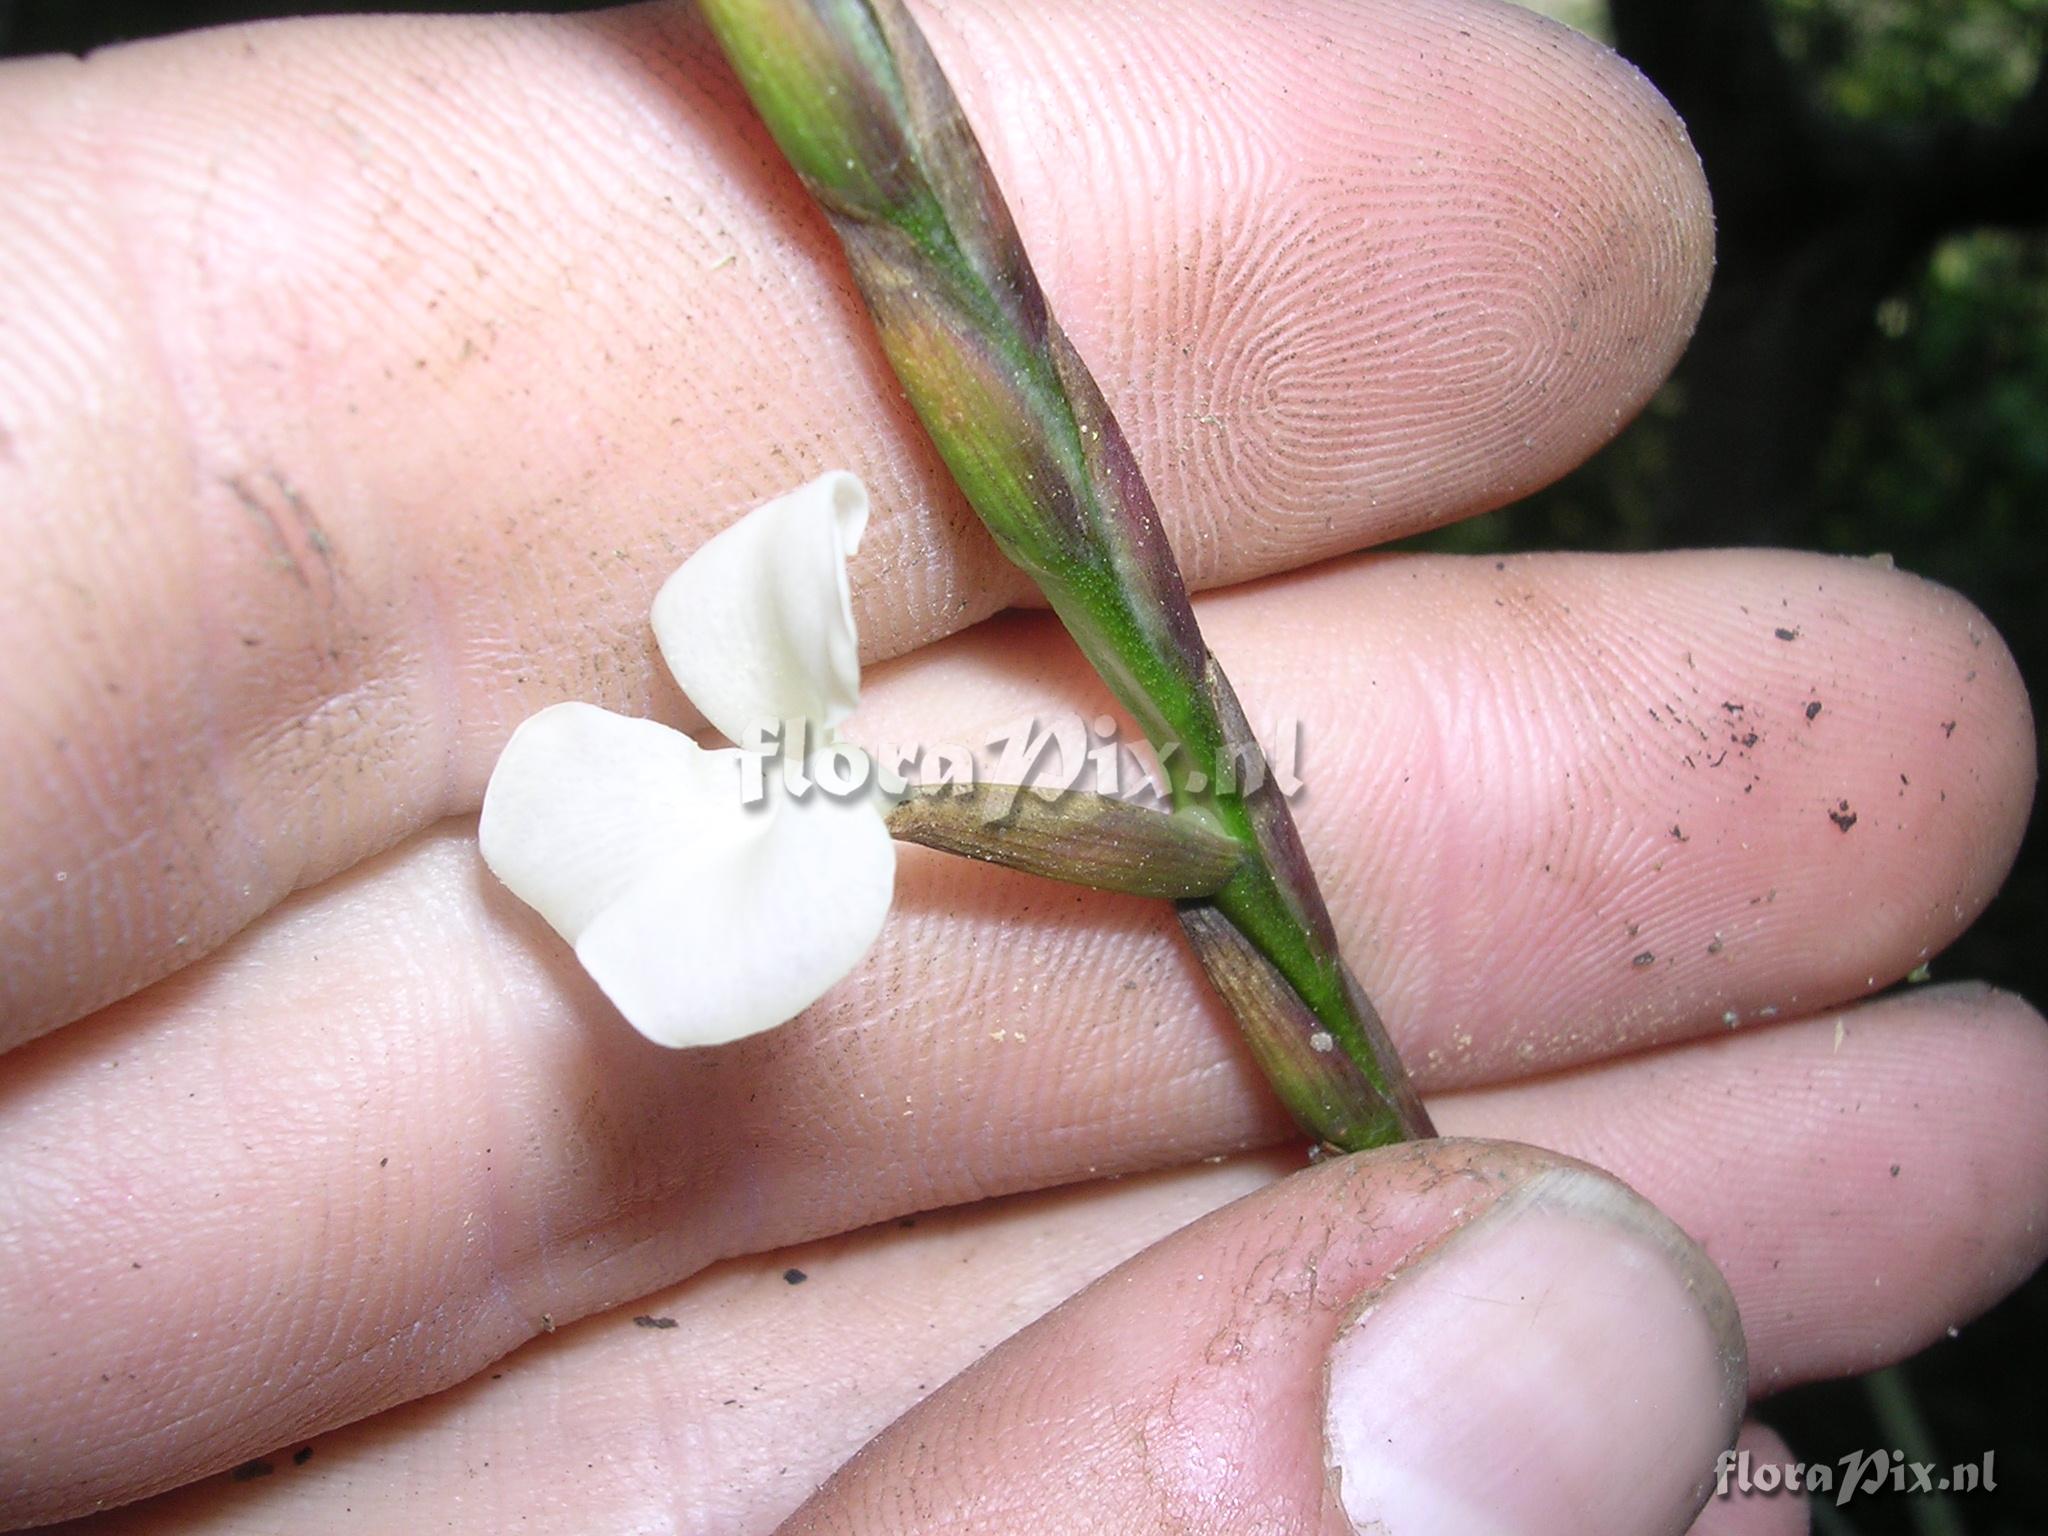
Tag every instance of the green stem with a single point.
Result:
(857, 103)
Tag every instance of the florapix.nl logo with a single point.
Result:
(1860, 1473)
(1049, 755)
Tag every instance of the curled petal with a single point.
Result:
(757, 625)
(703, 919)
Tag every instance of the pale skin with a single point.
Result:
(362, 381)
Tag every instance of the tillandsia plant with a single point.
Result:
(707, 912)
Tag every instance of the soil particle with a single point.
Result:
(1843, 817)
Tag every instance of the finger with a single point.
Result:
(410, 1020)
(1802, 1159)
(381, 370)
(1450, 1338)
(735, 1395)
(1256, 1262)
(1792, 1135)
(1563, 806)
(722, 1404)
(760, 1389)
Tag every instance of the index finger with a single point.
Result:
(371, 374)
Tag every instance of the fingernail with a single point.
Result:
(1568, 1362)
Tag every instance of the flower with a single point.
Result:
(702, 917)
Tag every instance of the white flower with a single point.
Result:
(705, 919)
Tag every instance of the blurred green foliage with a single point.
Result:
(1942, 437)
(1589, 16)
(1939, 453)
(1914, 60)
(1908, 60)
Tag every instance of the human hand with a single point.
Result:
(365, 378)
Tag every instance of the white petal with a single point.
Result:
(757, 625)
(770, 928)
(584, 804)
(703, 919)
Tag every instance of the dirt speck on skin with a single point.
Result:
(1643, 961)
(795, 1276)
(1813, 709)
(644, 1321)
(1843, 817)
(302, 1455)
(1786, 634)
(249, 1471)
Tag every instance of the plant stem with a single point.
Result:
(857, 103)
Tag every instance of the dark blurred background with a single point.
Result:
(1871, 374)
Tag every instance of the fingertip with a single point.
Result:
(1998, 1039)
(1566, 1361)
(1866, 1179)
(1423, 1339)
(1411, 260)
(1990, 696)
